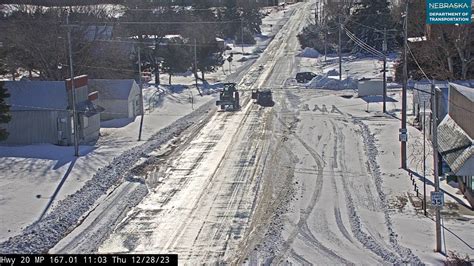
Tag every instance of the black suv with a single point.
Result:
(304, 77)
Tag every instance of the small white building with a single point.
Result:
(119, 97)
(370, 87)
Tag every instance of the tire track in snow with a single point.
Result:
(336, 157)
(406, 254)
(302, 227)
(356, 225)
(180, 229)
(306, 233)
(242, 186)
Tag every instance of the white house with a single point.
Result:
(119, 97)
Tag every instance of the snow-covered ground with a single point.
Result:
(36, 179)
(351, 202)
(314, 180)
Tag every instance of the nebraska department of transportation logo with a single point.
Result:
(448, 11)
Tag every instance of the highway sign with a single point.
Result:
(437, 199)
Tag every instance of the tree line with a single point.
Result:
(447, 52)
(106, 38)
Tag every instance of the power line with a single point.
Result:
(430, 80)
(362, 44)
(150, 41)
(416, 61)
(175, 8)
(158, 22)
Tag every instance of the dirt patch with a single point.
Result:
(399, 202)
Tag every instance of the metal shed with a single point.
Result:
(41, 113)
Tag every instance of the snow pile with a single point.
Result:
(309, 53)
(403, 254)
(209, 89)
(43, 235)
(325, 82)
(153, 96)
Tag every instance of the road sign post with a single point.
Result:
(437, 199)
(403, 136)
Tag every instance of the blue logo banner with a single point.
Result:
(448, 11)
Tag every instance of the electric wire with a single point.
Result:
(363, 45)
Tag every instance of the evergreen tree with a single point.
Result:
(208, 53)
(368, 16)
(177, 58)
(4, 111)
(252, 18)
(230, 13)
(326, 31)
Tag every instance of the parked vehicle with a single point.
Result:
(229, 97)
(263, 98)
(303, 77)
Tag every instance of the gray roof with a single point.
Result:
(454, 144)
(466, 91)
(112, 89)
(37, 95)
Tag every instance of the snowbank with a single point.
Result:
(310, 53)
(42, 235)
(326, 82)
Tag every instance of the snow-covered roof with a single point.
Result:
(417, 39)
(466, 91)
(37, 95)
(455, 145)
(112, 89)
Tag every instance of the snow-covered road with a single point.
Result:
(203, 204)
(297, 183)
(203, 195)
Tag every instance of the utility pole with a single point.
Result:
(404, 90)
(242, 34)
(141, 94)
(316, 13)
(195, 63)
(384, 47)
(73, 90)
(434, 111)
(196, 67)
(339, 50)
(424, 157)
(325, 43)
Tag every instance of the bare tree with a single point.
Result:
(36, 38)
